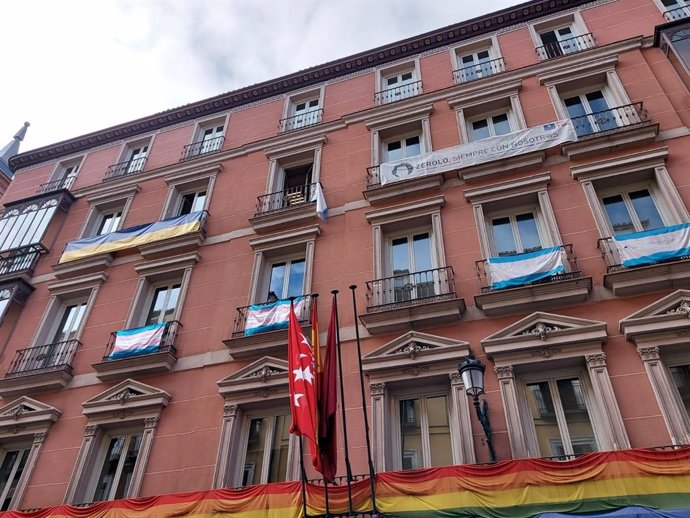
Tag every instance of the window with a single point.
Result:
(475, 66)
(211, 139)
(398, 83)
(562, 35)
(425, 439)
(108, 222)
(493, 126)
(26, 224)
(558, 42)
(164, 304)
(70, 322)
(676, 9)
(681, 378)
(305, 113)
(515, 233)
(291, 184)
(268, 449)
(192, 202)
(632, 211)
(590, 113)
(286, 279)
(117, 468)
(402, 148)
(63, 177)
(189, 192)
(136, 158)
(559, 414)
(410, 265)
(11, 469)
(107, 211)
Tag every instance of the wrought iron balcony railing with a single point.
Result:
(398, 93)
(167, 343)
(285, 199)
(572, 271)
(20, 259)
(677, 13)
(132, 166)
(611, 257)
(609, 121)
(409, 289)
(302, 312)
(51, 357)
(564, 47)
(202, 147)
(479, 70)
(56, 185)
(301, 120)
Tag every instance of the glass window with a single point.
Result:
(515, 234)
(192, 202)
(632, 211)
(164, 303)
(211, 139)
(287, 278)
(399, 86)
(137, 159)
(590, 113)
(11, 469)
(412, 267)
(475, 66)
(305, 113)
(490, 127)
(681, 378)
(25, 226)
(70, 322)
(424, 432)
(269, 447)
(560, 417)
(109, 222)
(403, 148)
(118, 467)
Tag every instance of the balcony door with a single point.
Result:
(57, 351)
(164, 303)
(286, 279)
(632, 211)
(211, 139)
(475, 66)
(400, 86)
(411, 267)
(560, 41)
(590, 113)
(304, 113)
(515, 233)
(137, 158)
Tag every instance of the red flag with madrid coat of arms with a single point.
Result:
(302, 383)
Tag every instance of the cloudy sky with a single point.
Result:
(74, 66)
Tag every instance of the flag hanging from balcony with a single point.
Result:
(651, 246)
(133, 342)
(303, 397)
(320, 199)
(271, 316)
(133, 236)
(328, 404)
(517, 270)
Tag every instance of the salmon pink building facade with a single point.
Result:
(514, 187)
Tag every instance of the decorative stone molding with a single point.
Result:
(90, 430)
(411, 349)
(128, 399)
(261, 379)
(649, 353)
(596, 360)
(377, 389)
(230, 410)
(455, 378)
(151, 422)
(504, 372)
(547, 353)
(541, 330)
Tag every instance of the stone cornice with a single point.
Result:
(410, 47)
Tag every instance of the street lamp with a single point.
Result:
(472, 372)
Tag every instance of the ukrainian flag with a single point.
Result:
(133, 236)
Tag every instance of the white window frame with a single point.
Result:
(384, 74)
(402, 138)
(288, 259)
(573, 20)
(193, 180)
(132, 153)
(512, 121)
(303, 96)
(293, 154)
(209, 124)
(409, 234)
(62, 171)
(625, 194)
(5, 449)
(104, 204)
(681, 4)
(535, 210)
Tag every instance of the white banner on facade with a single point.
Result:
(479, 152)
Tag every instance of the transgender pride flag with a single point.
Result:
(133, 342)
(651, 246)
(271, 316)
(517, 270)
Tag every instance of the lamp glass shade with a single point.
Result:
(472, 372)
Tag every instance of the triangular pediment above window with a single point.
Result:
(415, 348)
(265, 377)
(26, 413)
(129, 398)
(668, 315)
(545, 331)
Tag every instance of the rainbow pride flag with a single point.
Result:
(630, 483)
(133, 236)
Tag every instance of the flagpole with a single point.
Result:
(372, 473)
(304, 478)
(348, 468)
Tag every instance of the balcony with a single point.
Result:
(398, 93)
(202, 148)
(616, 128)
(158, 355)
(572, 45)
(376, 193)
(39, 369)
(19, 263)
(261, 329)
(663, 274)
(56, 185)
(132, 166)
(301, 120)
(479, 70)
(412, 301)
(286, 207)
(563, 288)
(678, 13)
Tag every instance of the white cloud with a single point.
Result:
(78, 66)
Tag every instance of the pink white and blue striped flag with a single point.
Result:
(141, 340)
(271, 316)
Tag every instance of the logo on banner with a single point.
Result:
(409, 169)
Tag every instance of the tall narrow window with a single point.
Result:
(681, 378)
(561, 41)
(11, 469)
(402, 148)
(164, 303)
(211, 139)
(515, 234)
(561, 420)
(590, 113)
(287, 278)
(70, 322)
(632, 211)
(269, 447)
(118, 467)
(305, 113)
(192, 202)
(476, 65)
(424, 432)
(137, 159)
(411, 266)
(109, 222)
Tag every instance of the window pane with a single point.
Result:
(256, 444)
(576, 111)
(277, 279)
(480, 130)
(280, 447)
(503, 236)
(618, 215)
(106, 480)
(646, 210)
(422, 252)
(541, 408)
(439, 431)
(296, 280)
(128, 467)
(70, 322)
(156, 305)
(501, 124)
(199, 201)
(529, 235)
(576, 416)
(410, 434)
(171, 305)
(604, 118)
(10, 471)
(596, 100)
(400, 256)
(412, 146)
(681, 378)
(394, 151)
